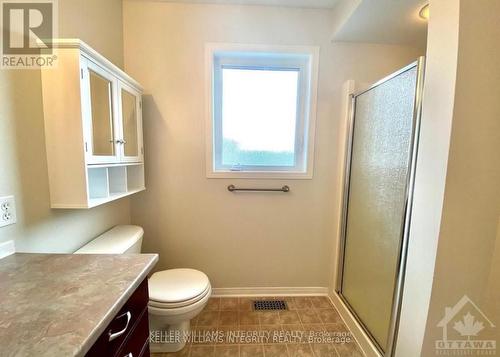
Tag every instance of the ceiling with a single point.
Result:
(382, 21)
(369, 21)
(321, 4)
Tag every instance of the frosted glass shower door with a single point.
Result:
(380, 164)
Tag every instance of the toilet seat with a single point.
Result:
(176, 288)
(174, 305)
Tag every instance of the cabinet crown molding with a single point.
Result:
(88, 51)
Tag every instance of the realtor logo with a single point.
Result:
(462, 326)
(28, 28)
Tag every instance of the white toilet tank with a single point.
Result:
(118, 240)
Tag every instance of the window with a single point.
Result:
(262, 104)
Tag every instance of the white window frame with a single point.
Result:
(303, 58)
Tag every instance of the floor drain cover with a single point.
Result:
(270, 305)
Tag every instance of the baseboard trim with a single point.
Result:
(270, 291)
(359, 334)
(7, 248)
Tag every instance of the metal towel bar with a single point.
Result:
(233, 188)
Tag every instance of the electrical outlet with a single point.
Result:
(7, 210)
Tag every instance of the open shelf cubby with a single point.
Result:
(135, 178)
(98, 182)
(108, 183)
(117, 180)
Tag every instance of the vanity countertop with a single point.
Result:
(59, 304)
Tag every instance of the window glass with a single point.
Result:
(259, 117)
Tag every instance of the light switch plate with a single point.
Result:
(7, 211)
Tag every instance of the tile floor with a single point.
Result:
(229, 327)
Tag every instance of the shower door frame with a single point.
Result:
(405, 227)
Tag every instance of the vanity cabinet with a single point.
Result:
(128, 333)
(93, 128)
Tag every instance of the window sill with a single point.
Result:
(289, 175)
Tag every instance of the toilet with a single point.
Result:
(175, 295)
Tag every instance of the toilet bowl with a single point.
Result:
(175, 295)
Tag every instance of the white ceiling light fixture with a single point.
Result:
(424, 12)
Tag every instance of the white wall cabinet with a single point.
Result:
(93, 128)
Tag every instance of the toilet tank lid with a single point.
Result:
(115, 241)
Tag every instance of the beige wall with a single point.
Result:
(97, 22)
(455, 238)
(468, 235)
(239, 240)
(430, 179)
(22, 151)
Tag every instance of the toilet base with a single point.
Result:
(171, 338)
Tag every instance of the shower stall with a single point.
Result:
(380, 168)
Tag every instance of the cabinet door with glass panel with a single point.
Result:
(130, 113)
(113, 118)
(102, 144)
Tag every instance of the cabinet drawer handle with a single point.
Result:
(112, 336)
